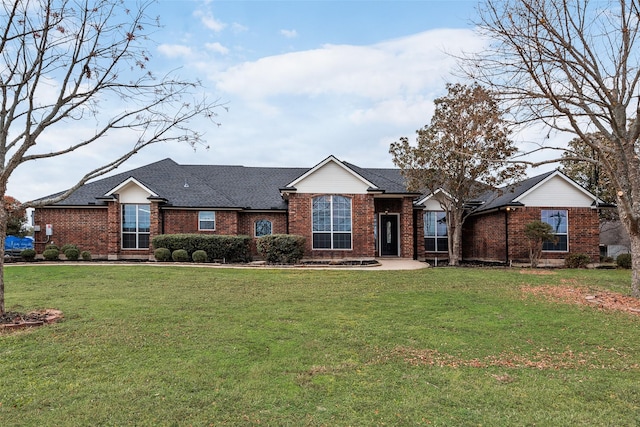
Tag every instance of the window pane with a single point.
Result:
(143, 241)
(144, 218)
(206, 220)
(559, 245)
(430, 244)
(321, 213)
(441, 223)
(443, 245)
(129, 241)
(321, 241)
(129, 217)
(429, 224)
(263, 228)
(341, 213)
(342, 241)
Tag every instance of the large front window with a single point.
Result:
(136, 223)
(435, 231)
(331, 222)
(557, 219)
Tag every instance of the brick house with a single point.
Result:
(342, 210)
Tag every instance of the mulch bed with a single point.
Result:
(15, 320)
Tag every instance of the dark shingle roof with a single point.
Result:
(212, 186)
(505, 196)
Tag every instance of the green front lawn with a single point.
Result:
(159, 346)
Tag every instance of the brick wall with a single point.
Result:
(362, 217)
(178, 221)
(484, 236)
(247, 220)
(583, 227)
(85, 227)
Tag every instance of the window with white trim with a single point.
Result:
(557, 219)
(435, 231)
(331, 226)
(206, 220)
(136, 226)
(262, 227)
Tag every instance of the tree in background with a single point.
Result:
(68, 64)
(573, 66)
(588, 173)
(464, 151)
(16, 217)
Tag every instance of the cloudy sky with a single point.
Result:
(302, 80)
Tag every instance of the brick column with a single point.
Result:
(114, 229)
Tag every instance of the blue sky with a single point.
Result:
(302, 80)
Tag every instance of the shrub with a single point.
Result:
(281, 248)
(577, 261)
(162, 254)
(72, 254)
(199, 256)
(227, 248)
(52, 246)
(64, 248)
(85, 255)
(28, 254)
(537, 232)
(624, 261)
(51, 254)
(180, 255)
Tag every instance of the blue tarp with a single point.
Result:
(13, 243)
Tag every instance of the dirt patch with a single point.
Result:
(573, 294)
(13, 320)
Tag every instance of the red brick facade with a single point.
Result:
(485, 235)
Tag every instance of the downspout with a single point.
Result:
(415, 234)
(506, 234)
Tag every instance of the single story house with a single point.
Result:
(343, 210)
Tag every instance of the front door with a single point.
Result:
(389, 235)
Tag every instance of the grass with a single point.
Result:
(163, 346)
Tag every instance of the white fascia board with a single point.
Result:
(130, 180)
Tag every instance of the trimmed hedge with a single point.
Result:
(28, 254)
(281, 248)
(51, 254)
(72, 253)
(199, 256)
(217, 247)
(162, 254)
(180, 255)
(85, 255)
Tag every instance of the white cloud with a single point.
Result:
(404, 65)
(174, 50)
(290, 34)
(217, 47)
(209, 21)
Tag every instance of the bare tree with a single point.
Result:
(575, 66)
(67, 63)
(464, 152)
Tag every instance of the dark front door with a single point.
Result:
(389, 235)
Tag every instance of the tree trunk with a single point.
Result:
(455, 240)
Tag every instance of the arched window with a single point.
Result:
(262, 227)
(331, 226)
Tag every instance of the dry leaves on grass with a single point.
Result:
(569, 292)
